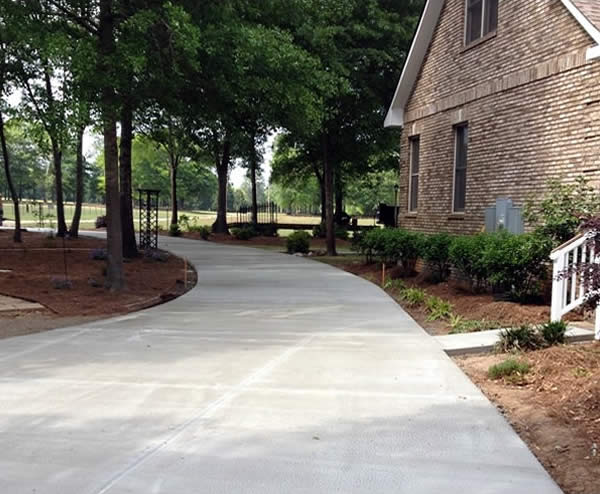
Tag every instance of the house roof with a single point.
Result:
(586, 12)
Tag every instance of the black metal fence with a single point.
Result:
(267, 214)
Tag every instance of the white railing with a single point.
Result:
(568, 292)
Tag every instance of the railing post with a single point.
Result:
(597, 324)
(558, 267)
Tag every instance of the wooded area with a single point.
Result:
(198, 87)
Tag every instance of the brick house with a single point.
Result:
(496, 98)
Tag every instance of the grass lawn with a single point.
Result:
(91, 211)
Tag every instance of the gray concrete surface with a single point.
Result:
(275, 375)
(485, 341)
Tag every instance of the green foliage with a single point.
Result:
(517, 263)
(563, 209)
(554, 332)
(466, 255)
(298, 242)
(244, 233)
(413, 297)
(394, 285)
(436, 252)
(267, 230)
(523, 338)
(174, 230)
(391, 246)
(438, 309)
(459, 325)
(511, 368)
(193, 226)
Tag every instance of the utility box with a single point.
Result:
(504, 216)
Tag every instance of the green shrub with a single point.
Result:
(563, 209)
(204, 231)
(438, 309)
(511, 368)
(244, 233)
(174, 230)
(436, 253)
(523, 338)
(392, 246)
(320, 231)
(517, 263)
(554, 332)
(466, 255)
(413, 297)
(267, 230)
(298, 242)
(394, 285)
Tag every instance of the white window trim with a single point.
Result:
(455, 136)
(411, 141)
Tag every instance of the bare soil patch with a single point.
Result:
(31, 271)
(555, 409)
(466, 304)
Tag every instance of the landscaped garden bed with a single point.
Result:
(35, 271)
(552, 399)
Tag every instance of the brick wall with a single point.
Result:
(532, 102)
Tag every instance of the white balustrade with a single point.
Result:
(568, 290)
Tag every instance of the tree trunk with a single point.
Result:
(253, 167)
(321, 182)
(74, 231)
(329, 192)
(9, 182)
(174, 205)
(220, 226)
(130, 249)
(339, 196)
(115, 278)
(60, 203)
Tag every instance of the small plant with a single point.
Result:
(244, 233)
(298, 242)
(413, 297)
(523, 338)
(460, 325)
(511, 369)
(61, 283)
(438, 309)
(554, 332)
(204, 232)
(156, 256)
(101, 222)
(174, 230)
(99, 254)
(394, 285)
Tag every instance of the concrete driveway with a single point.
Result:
(275, 375)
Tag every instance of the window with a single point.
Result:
(460, 167)
(482, 19)
(413, 191)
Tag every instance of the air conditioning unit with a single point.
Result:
(504, 216)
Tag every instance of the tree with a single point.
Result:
(7, 66)
(361, 45)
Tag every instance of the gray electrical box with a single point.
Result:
(504, 216)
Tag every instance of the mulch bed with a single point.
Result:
(555, 409)
(38, 263)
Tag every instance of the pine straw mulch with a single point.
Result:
(34, 267)
(555, 408)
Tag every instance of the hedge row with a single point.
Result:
(513, 263)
